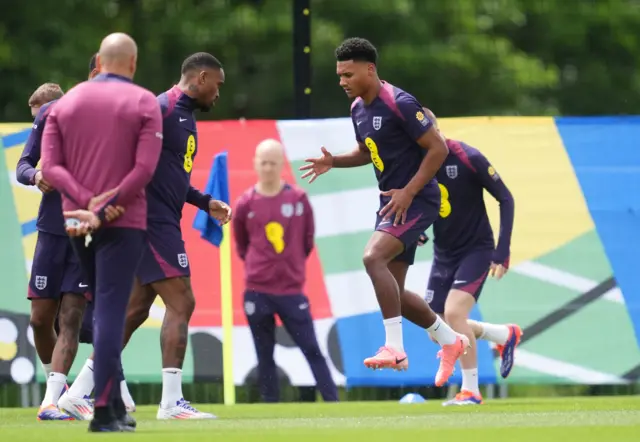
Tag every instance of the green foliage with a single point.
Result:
(460, 57)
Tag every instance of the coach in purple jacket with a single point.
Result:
(273, 230)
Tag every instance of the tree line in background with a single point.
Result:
(459, 57)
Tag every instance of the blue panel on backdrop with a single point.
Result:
(362, 335)
(605, 153)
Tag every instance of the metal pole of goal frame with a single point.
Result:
(302, 58)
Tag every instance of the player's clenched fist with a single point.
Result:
(317, 166)
(220, 211)
(41, 183)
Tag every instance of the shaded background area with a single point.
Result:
(460, 57)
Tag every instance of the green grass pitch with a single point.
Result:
(522, 420)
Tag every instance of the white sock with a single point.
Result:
(495, 333)
(171, 387)
(126, 395)
(393, 328)
(55, 384)
(470, 381)
(83, 384)
(47, 369)
(442, 333)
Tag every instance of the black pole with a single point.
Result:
(302, 58)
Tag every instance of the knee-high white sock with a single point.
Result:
(55, 384)
(496, 333)
(442, 333)
(171, 387)
(83, 384)
(393, 329)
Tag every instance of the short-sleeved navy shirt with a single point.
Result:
(390, 127)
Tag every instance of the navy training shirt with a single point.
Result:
(50, 219)
(390, 127)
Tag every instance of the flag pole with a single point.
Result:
(226, 308)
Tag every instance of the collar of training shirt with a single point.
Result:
(112, 77)
(184, 100)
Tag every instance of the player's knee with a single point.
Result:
(184, 304)
(41, 320)
(70, 319)
(136, 315)
(311, 351)
(373, 260)
(455, 314)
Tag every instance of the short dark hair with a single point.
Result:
(92, 62)
(44, 94)
(357, 49)
(200, 60)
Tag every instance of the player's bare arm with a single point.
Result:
(315, 167)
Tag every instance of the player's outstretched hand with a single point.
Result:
(398, 205)
(41, 183)
(220, 211)
(317, 166)
(81, 222)
(498, 270)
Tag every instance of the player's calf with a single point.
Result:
(140, 302)
(42, 319)
(180, 303)
(457, 309)
(70, 321)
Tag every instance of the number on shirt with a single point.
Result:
(375, 158)
(275, 235)
(188, 155)
(445, 204)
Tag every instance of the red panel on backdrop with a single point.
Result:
(239, 139)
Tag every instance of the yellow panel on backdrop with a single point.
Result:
(528, 153)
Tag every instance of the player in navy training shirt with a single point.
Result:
(164, 268)
(393, 133)
(56, 284)
(100, 147)
(465, 253)
(76, 401)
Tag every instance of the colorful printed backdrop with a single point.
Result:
(573, 286)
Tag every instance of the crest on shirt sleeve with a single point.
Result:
(377, 123)
(421, 118)
(452, 171)
(493, 174)
(287, 210)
